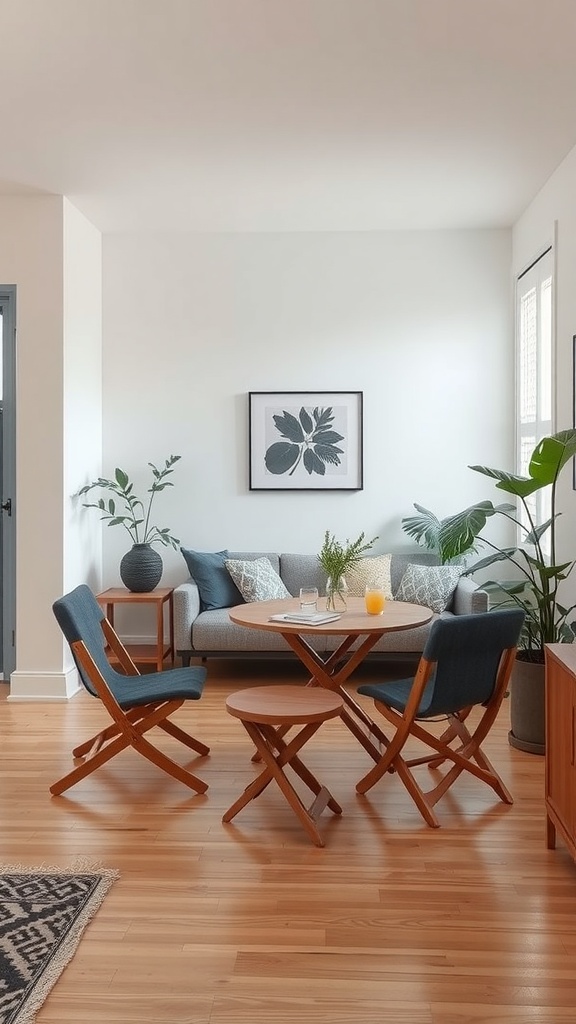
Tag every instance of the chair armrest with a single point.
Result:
(186, 608)
(469, 598)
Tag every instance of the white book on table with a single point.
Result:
(305, 618)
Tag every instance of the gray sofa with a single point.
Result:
(211, 634)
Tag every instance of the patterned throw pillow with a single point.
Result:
(430, 585)
(369, 570)
(256, 579)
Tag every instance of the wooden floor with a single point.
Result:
(249, 923)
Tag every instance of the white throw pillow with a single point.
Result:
(369, 570)
(430, 585)
(256, 579)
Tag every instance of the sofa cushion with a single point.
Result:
(272, 557)
(214, 632)
(367, 570)
(215, 585)
(302, 571)
(256, 579)
(430, 585)
(401, 561)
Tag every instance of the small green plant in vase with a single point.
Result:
(336, 558)
(140, 568)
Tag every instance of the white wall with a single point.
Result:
(47, 260)
(82, 394)
(552, 217)
(418, 321)
(31, 258)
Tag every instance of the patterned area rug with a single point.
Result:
(43, 912)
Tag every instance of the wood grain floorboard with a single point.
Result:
(249, 923)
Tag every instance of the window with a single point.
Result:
(534, 312)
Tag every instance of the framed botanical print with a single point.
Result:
(305, 440)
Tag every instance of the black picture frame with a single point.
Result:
(305, 440)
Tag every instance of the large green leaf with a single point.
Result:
(548, 572)
(502, 555)
(522, 486)
(121, 478)
(425, 527)
(551, 454)
(533, 536)
(457, 533)
(548, 458)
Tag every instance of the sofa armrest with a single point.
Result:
(469, 598)
(186, 608)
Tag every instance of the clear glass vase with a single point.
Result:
(336, 594)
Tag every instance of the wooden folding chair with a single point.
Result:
(466, 662)
(134, 702)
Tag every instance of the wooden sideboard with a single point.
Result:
(560, 745)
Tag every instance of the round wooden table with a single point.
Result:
(267, 712)
(336, 667)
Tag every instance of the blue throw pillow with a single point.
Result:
(215, 584)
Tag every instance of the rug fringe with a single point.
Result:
(81, 864)
(69, 945)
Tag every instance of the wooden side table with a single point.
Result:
(145, 654)
(266, 712)
(560, 769)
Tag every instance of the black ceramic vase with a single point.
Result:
(141, 569)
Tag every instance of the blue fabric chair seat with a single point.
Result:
(466, 664)
(396, 695)
(136, 703)
(133, 691)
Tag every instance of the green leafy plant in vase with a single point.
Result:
(141, 567)
(336, 558)
(538, 576)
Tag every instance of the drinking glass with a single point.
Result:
(374, 598)
(308, 599)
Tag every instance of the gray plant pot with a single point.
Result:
(141, 569)
(527, 707)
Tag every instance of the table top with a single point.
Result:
(284, 704)
(116, 595)
(354, 621)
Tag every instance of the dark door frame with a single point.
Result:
(8, 483)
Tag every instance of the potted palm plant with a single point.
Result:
(538, 578)
(141, 567)
(447, 545)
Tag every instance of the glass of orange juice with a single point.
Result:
(374, 598)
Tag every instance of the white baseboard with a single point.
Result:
(147, 640)
(54, 686)
(44, 686)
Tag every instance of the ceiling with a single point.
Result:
(287, 115)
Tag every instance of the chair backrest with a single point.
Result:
(80, 616)
(467, 650)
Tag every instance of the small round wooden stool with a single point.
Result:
(267, 712)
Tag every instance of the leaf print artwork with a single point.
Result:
(310, 439)
(305, 440)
